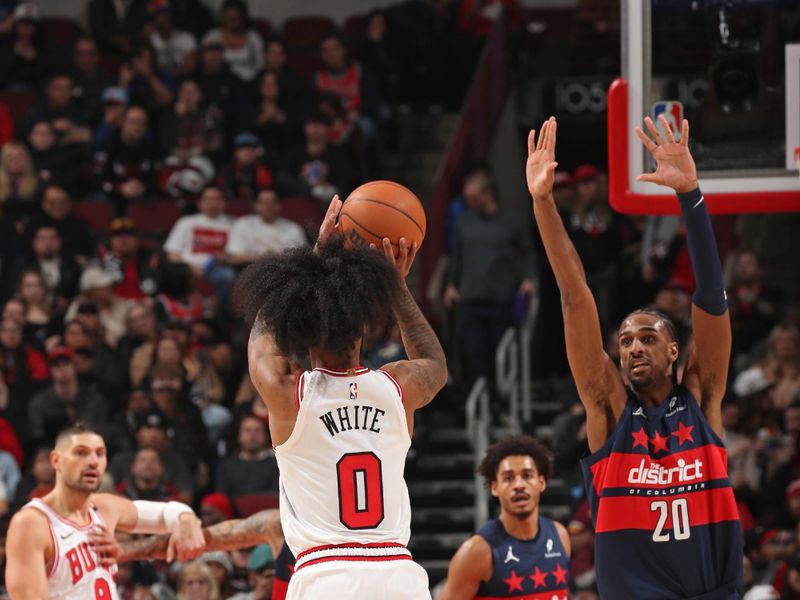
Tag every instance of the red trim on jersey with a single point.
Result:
(279, 589)
(635, 512)
(539, 596)
(359, 370)
(396, 384)
(348, 558)
(51, 511)
(615, 470)
(351, 545)
(298, 392)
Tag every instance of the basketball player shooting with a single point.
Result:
(520, 553)
(341, 431)
(49, 551)
(664, 512)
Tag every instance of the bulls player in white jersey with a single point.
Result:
(341, 431)
(49, 548)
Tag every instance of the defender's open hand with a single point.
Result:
(675, 165)
(541, 164)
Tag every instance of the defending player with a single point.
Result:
(520, 554)
(48, 549)
(342, 431)
(665, 517)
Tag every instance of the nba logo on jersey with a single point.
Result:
(673, 112)
(354, 391)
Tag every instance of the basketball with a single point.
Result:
(382, 209)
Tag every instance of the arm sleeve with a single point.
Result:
(176, 240)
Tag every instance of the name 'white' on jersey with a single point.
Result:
(342, 467)
(76, 573)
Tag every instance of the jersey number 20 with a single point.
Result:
(360, 490)
(680, 519)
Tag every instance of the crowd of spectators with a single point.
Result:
(166, 102)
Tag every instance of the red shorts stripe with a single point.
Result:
(555, 595)
(352, 559)
(349, 546)
(637, 511)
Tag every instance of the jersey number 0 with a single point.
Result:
(360, 490)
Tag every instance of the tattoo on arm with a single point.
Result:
(420, 342)
(151, 547)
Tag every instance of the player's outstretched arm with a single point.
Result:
(707, 370)
(263, 527)
(470, 566)
(425, 373)
(186, 540)
(600, 385)
(26, 544)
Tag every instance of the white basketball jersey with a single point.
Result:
(76, 572)
(342, 467)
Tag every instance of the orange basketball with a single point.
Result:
(382, 209)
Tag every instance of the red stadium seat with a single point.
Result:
(307, 31)
(17, 103)
(239, 208)
(6, 125)
(305, 211)
(250, 504)
(110, 63)
(156, 217)
(305, 65)
(263, 27)
(97, 215)
(60, 30)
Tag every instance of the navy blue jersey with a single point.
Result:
(666, 521)
(284, 567)
(536, 569)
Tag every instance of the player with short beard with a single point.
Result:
(520, 553)
(49, 545)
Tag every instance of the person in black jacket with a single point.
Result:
(57, 213)
(60, 271)
(126, 165)
(114, 32)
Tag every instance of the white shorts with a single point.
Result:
(360, 580)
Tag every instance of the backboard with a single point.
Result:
(732, 67)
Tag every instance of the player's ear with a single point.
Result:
(55, 457)
(673, 351)
(493, 488)
(542, 483)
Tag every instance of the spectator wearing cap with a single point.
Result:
(261, 574)
(190, 129)
(215, 508)
(317, 168)
(156, 432)
(89, 80)
(116, 25)
(115, 101)
(146, 479)
(62, 111)
(245, 175)
(264, 232)
(131, 267)
(28, 57)
(64, 401)
(56, 212)
(252, 469)
(594, 231)
(60, 271)
(176, 50)
(221, 567)
(97, 289)
(754, 304)
(223, 91)
(243, 48)
(199, 242)
(126, 165)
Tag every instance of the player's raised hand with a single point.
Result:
(541, 165)
(187, 541)
(405, 255)
(674, 163)
(329, 224)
